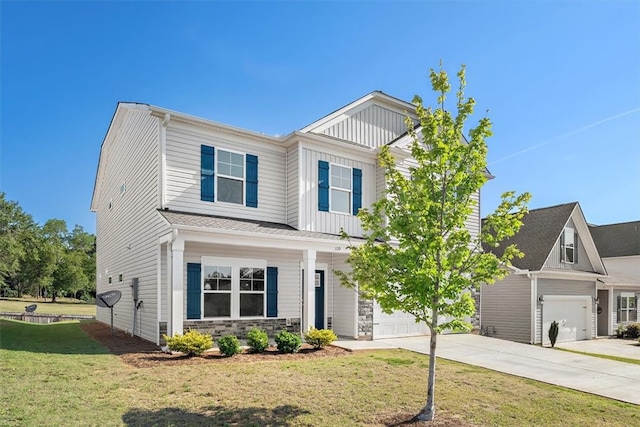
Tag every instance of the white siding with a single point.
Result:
(506, 309)
(372, 126)
(326, 222)
(183, 173)
(583, 264)
(627, 266)
(293, 186)
(127, 232)
(345, 302)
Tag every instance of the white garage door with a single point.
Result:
(396, 324)
(573, 314)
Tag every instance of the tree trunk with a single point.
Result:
(428, 413)
(53, 295)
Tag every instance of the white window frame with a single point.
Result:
(332, 188)
(217, 175)
(630, 297)
(564, 247)
(206, 291)
(236, 264)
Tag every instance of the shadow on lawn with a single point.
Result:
(214, 416)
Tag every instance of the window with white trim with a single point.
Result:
(627, 309)
(569, 246)
(230, 177)
(233, 288)
(340, 189)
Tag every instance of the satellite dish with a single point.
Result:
(108, 299)
(31, 308)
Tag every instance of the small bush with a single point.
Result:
(553, 333)
(288, 342)
(193, 343)
(229, 345)
(318, 338)
(257, 340)
(632, 330)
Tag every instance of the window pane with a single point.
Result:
(245, 284)
(632, 303)
(624, 302)
(224, 168)
(224, 272)
(237, 159)
(217, 305)
(246, 273)
(569, 254)
(251, 305)
(258, 285)
(224, 285)
(340, 177)
(340, 201)
(230, 190)
(258, 273)
(237, 171)
(224, 156)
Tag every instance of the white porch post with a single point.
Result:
(309, 308)
(177, 288)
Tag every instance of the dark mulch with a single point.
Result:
(144, 354)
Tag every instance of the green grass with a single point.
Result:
(55, 375)
(603, 356)
(63, 306)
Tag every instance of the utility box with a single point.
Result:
(134, 288)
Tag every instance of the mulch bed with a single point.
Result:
(140, 353)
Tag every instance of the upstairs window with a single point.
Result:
(227, 176)
(339, 188)
(230, 180)
(569, 246)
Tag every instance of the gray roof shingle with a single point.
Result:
(614, 240)
(539, 232)
(214, 222)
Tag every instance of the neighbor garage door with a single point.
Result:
(573, 314)
(396, 324)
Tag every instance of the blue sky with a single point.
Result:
(561, 81)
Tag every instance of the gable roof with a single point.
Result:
(615, 240)
(539, 232)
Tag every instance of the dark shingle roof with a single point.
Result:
(244, 225)
(539, 232)
(614, 240)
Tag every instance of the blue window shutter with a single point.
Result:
(323, 186)
(252, 181)
(193, 291)
(207, 166)
(357, 190)
(272, 291)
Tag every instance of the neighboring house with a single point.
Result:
(207, 226)
(557, 280)
(619, 248)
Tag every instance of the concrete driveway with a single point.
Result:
(615, 380)
(629, 349)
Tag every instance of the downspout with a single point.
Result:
(534, 305)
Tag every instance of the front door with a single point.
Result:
(319, 323)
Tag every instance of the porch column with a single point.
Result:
(177, 288)
(309, 291)
(168, 289)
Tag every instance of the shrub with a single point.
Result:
(620, 330)
(229, 345)
(632, 330)
(257, 340)
(288, 342)
(553, 333)
(318, 338)
(193, 343)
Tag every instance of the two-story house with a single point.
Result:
(207, 226)
(561, 278)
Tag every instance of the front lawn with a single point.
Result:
(63, 306)
(56, 375)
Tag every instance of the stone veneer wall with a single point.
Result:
(239, 328)
(365, 319)
(475, 318)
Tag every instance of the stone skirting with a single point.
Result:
(239, 328)
(365, 319)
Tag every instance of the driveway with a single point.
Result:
(608, 378)
(629, 349)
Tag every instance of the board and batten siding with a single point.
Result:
(506, 309)
(372, 126)
(564, 287)
(127, 232)
(311, 219)
(553, 261)
(293, 185)
(183, 173)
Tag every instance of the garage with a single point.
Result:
(573, 314)
(396, 324)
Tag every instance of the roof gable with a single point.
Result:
(540, 231)
(373, 120)
(617, 240)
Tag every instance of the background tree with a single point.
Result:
(418, 256)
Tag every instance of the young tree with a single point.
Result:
(419, 256)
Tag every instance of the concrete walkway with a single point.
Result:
(608, 378)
